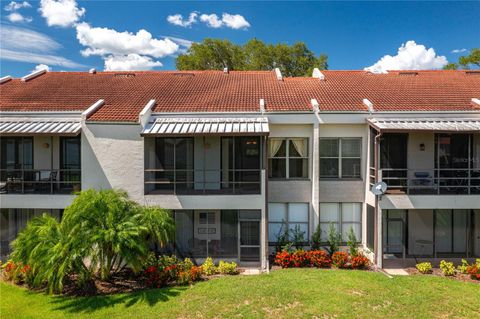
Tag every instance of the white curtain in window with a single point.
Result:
(300, 145)
(274, 146)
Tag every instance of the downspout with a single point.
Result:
(378, 254)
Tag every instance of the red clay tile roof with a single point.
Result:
(126, 93)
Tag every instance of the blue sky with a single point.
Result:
(354, 35)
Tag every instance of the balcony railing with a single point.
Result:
(203, 182)
(40, 181)
(437, 181)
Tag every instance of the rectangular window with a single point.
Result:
(288, 158)
(340, 157)
(290, 218)
(343, 216)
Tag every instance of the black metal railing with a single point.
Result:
(433, 181)
(200, 182)
(40, 181)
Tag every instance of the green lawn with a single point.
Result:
(290, 293)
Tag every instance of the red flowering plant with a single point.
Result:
(340, 259)
(283, 259)
(319, 259)
(160, 271)
(16, 272)
(360, 262)
(474, 270)
(189, 276)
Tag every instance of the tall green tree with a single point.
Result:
(214, 54)
(467, 61)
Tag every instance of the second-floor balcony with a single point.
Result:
(429, 157)
(40, 181)
(204, 157)
(40, 163)
(436, 181)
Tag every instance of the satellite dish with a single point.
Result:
(379, 188)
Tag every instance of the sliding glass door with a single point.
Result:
(451, 231)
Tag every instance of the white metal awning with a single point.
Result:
(422, 124)
(40, 127)
(207, 126)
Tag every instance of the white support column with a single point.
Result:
(315, 177)
(379, 252)
(264, 227)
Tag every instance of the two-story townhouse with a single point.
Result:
(240, 157)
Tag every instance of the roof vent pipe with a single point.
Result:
(369, 105)
(318, 75)
(225, 70)
(92, 71)
(476, 101)
(5, 79)
(262, 106)
(278, 73)
(33, 75)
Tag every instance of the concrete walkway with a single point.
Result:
(396, 272)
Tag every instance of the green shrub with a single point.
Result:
(352, 243)
(101, 232)
(186, 264)
(317, 238)
(448, 269)
(226, 268)
(209, 267)
(424, 268)
(463, 267)
(334, 239)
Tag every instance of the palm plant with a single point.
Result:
(101, 233)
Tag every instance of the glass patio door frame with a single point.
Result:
(403, 223)
(240, 245)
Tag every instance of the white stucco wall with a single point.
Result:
(42, 155)
(113, 157)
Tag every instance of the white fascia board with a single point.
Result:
(5, 79)
(95, 106)
(33, 75)
(144, 115)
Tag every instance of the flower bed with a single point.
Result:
(321, 259)
(463, 272)
(157, 272)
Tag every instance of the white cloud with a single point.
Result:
(459, 50)
(62, 13)
(410, 56)
(130, 62)
(181, 42)
(16, 17)
(104, 41)
(14, 6)
(35, 47)
(39, 67)
(234, 21)
(177, 19)
(32, 57)
(212, 20)
(30, 40)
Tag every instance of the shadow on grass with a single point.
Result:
(95, 303)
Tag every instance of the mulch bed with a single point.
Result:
(438, 273)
